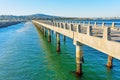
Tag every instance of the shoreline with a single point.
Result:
(6, 24)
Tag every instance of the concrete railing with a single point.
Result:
(96, 30)
(91, 36)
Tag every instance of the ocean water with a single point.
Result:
(25, 54)
(99, 22)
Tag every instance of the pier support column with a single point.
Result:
(64, 38)
(49, 36)
(58, 42)
(109, 63)
(79, 58)
(42, 29)
(45, 32)
(52, 31)
(107, 36)
(55, 34)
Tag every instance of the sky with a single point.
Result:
(66, 8)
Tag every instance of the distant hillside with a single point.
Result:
(43, 16)
(28, 17)
(47, 17)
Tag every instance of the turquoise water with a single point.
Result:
(25, 54)
(99, 22)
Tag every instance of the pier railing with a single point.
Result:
(93, 29)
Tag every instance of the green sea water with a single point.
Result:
(25, 54)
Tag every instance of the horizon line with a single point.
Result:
(57, 15)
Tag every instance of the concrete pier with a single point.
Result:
(58, 42)
(109, 46)
(105, 40)
(49, 36)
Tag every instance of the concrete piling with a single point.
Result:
(58, 42)
(45, 32)
(79, 58)
(64, 38)
(49, 36)
(106, 36)
(110, 60)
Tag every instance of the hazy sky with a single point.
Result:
(69, 8)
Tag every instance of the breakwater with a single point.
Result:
(8, 23)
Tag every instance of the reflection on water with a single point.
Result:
(25, 54)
